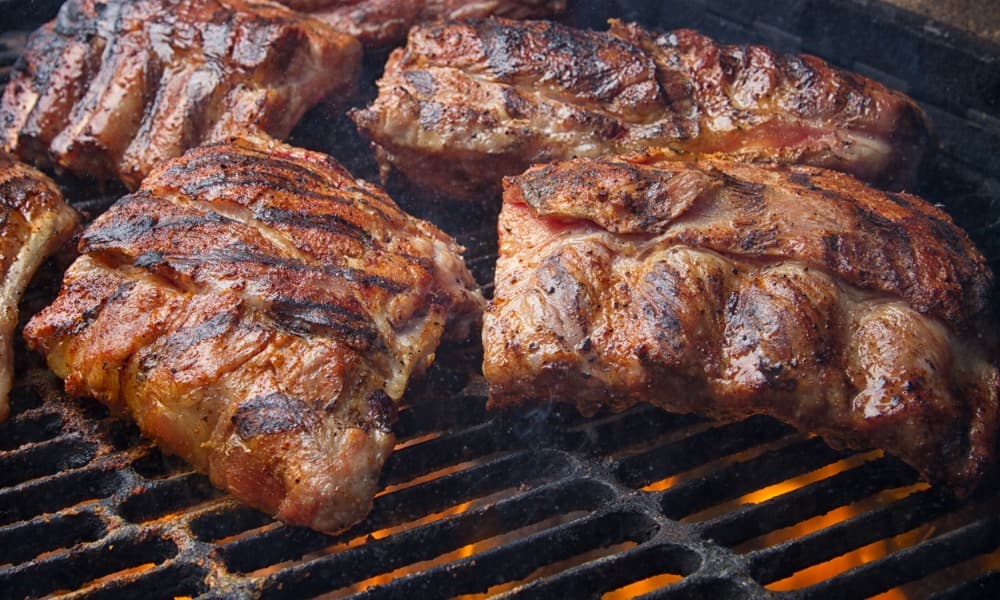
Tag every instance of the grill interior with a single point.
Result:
(476, 503)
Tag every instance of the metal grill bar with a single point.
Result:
(751, 520)
(913, 562)
(743, 477)
(777, 562)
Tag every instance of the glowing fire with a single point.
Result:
(412, 568)
(801, 579)
(823, 571)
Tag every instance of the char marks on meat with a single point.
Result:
(384, 23)
(112, 88)
(464, 104)
(728, 289)
(35, 221)
(259, 312)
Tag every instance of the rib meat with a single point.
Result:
(464, 104)
(112, 88)
(34, 223)
(728, 289)
(259, 312)
(384, 23)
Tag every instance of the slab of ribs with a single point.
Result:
(727, 289)
(109, 89)
(35, 222)
(464, 104)
(259, 312)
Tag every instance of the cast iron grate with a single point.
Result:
(546, 503)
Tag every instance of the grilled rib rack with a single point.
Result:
(546, 503)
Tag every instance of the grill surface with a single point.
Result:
(546, 503)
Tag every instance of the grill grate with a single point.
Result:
(545, 503)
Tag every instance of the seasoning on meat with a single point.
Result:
(384, 23)
(113, 88)
(728, 289)
(34, 222)
(464, 104)
(259, 312)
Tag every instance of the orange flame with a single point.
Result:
(801, 579)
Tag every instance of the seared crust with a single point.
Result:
(384, 23)
(894, 243)
(464, 104)
(757, 104)
(35, 221)
(727, 290)
(258, 312)
(111, 89)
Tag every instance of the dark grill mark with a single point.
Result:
(49, 49)
(800, 178)
(234, 170)
(516, 105)
(253, 185)
(749, 195)
(244, 256)
(90, 314)
(128, 228)
(114, 231)
(758, 240)
(658, 302)
(797, 72)
(183, 339)
(877, 221)
(896, 243)
(148, 259)
(271, 413)
(325, 222)
(382, 413)
(256, 40)
(422, 81)
(319, 318)
(593, 75)
(900, 200)
(430, 115)
(564, 290)
(500, 44)
(234, 163)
